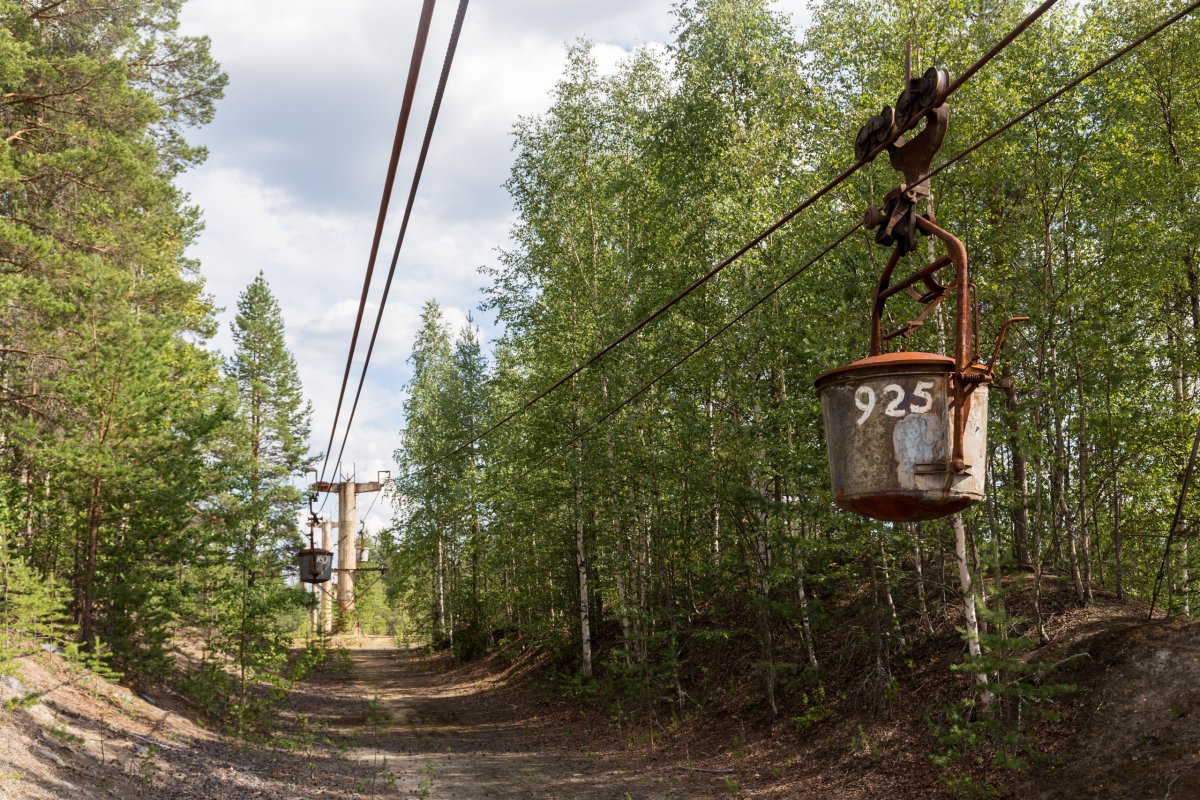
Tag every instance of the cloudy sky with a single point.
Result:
(300, 145)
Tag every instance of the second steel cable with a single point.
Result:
(410, 89)
(408, 207)
(754, 242)
(1171, 20)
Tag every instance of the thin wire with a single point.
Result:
(1071, 85)
(948, 163)
(705, 278)
(371, 507)
(998, 46)
(410, 88)
(679, 361)
(408, 207)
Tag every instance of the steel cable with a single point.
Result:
(686, 356)
(408, 207)
(1116, 56)
(754, 242)
(410, 88)
(846, 234)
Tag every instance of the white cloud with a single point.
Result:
(299, 148)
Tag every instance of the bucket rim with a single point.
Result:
(319, 551)
(902, 359)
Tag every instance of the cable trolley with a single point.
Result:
(906, 431)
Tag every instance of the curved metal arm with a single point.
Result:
(956, 254)
(1000, 341)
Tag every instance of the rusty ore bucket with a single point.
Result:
(890, 428)
(316, 565)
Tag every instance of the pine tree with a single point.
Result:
(106, 395)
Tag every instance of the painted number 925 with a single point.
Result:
(894, 397)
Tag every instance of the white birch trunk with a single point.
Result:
(585, 630)
(971, 622)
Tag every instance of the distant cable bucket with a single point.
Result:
(410, 88)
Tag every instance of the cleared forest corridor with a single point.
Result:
(401, 724)
(681, 509)
(380, 722)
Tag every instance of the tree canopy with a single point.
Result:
(700, 510)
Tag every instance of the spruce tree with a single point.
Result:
(276, 417)
(265, 448)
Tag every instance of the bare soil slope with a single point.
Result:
(391, 723)
(397, 723)
(1133, 729)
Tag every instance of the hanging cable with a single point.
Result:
(408, 207)
(679, 361)
(754, 242)
(371, 507)
(410, 88)
(1116, 56)
(791, 277)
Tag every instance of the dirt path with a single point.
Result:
(398, 724)
(391, 723)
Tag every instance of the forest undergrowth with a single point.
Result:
(929, 737)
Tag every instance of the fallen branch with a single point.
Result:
(1046, 670)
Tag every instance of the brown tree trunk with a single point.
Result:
(87, 612)
(1020, 480)
(914, 530)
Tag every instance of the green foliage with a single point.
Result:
(373, 613)
(425, 789)
(435, 554)
(34, 612)
(146, 488)
(97, 659)
(997, 723)
(471, 641)
(239, 602)
(691, 524)
(816, 709)
(968, 788)
(110, 398)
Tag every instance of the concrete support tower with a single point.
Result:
(326, 618)
(347, 561)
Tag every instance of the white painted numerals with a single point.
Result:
(922, 391)
(893, 408)
(865, 400)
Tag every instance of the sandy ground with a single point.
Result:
(397, 723)
(393, 723)
(414, 729)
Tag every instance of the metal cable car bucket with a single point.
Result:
(316, 565)
(906, 432)
(890, 432)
